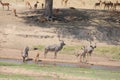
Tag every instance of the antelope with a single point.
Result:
(117, 4)
(27, 3)
(64, 2)
(5, 4)
(25, 53)
(86, 52)
(108, 4)
(37, 58)
(42, 5)
(35, 5)
(55, 48)
(98, 4)
(111, 4)
(14, 11)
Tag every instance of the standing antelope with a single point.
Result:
(98, 4)
(108, 5)
(27, 3)
(25, 53)
(86, 52)
(117, 4)
(35, 5)
(55, 48)
(4, 4)
(37, 58)
(14, 11)
(42, 5)
(64, 2)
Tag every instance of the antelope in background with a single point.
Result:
(4, 4)
(42, 5)
(27, 4)
(117, 4)
(98, 4)
(64, 2)
(108, 5)
(36, 5)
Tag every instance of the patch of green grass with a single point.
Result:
(8, 64)
(76, 72)
(15, 77)
(111, 51)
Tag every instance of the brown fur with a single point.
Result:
(37, 58)
(27, 3)
(42, 5)
(5, 4)
(14, 11)
(108, 5)
(42, 18)
(117, 4)
(64, 2)
(98, 4)
(36, 5)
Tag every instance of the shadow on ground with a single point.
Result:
(82, 24)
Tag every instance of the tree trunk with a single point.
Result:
(48, 9)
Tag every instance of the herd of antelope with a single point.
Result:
(27, 4)
(84, 53)
(109, 5)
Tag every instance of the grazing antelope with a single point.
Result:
(35, 5)
(64, 2)
(25, 53)
(55, 48)
(27, 3)
(4, 4)
(86, 52)
(37, 58)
